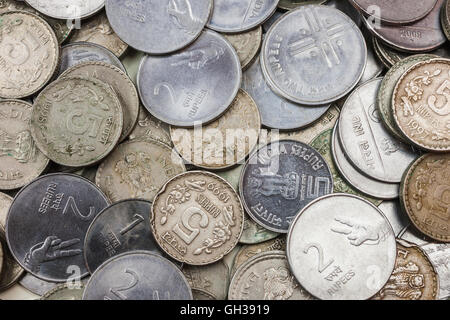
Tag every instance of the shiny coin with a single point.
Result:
(27, 64)
(255, 233)
(137, 169)
(218, 222)
(77, 121)
(21, 161)
(36, 285)
(127, 277)
(67, 9)
(292, 4)
(420, 107)
(64, 292)
(341, 247)
(234, 16)
(158, 27)
(280, 179)
(247, 45)
(313, 55)
(266, 277)
(36, 227)
(150, 128)
(224, 142)
(395, 215)
(183, 88)
(439, 255)
(424, 195)
(374, 67)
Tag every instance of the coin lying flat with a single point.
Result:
(218, 222)
(255, 233)
(150, 128)
(313, 55)
(247, 45)
(158, 27)
(27, 64)
(292, 4)
(266, 277)
(280, 179)
(36, 285)
(137, 169)
(127, 277)
(420, 107)
(439, 254)
(374, 67)
(36, 227)
(64, 292)
(67, 9)
(198, 294)
(235, 16)
(395, 215)
(445, 19)
(424, 195)
(341, 247)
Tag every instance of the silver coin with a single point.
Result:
(393, 212)
(439, 255)
(39, 286)
(67, 9)
(277, 112)
(366, 141)
(313, 55)
(233, 16)
(341, 247)
(195, 85)
(266, 25)
(374, 67)
(366, 185)
(158, 27)
(348, 9)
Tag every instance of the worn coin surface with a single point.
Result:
(439, 255)
(29, 54)
(76, 121)
(21, 160)
(67, 9)
(127, 277)
(445, 19)
(280, 179)
(313, 55)
(198, 294)
(195, 85)
(158, 27)
(226, 141)
(64, 292)
(137, 169)
(36, 285)
(235, 16)
(247, 45)
(341, 247)
(425, 195)
(374, 67)
(266, 277)
(255, 233)
(269, 22)
(292, 4)
(36, 226)
(395, 215)
(119, 82)
(150, 128)
(277, 112)
(420, 106)
(218, 222)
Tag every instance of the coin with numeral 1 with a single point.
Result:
(197, 218)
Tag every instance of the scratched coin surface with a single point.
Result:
(29, 54)
(366, 141)
(277, 112)
(205, 205)
(67, 9)
(247, 45)
(313, 55)
(119, 82)
(341, 247)
(137, 169)
(439, 254)
(266, 277)
(280, 179)
(420, 105)
(425, 195)
(127, 277)
(64, 292)
(235, 16)
(226, 141)
(158, 27)
(36, 226)
(148, 127)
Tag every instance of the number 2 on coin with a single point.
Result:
(322, 265)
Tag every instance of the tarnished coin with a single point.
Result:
(1, 257)
(445, 19)
(21, 161)
(425, 195)
(17, 292)
(255, 233)
(198, 294)
(36, 227)
(341, 247)
(36, 285)
(127, 277)
(280, 179)
(234, 16)
(232, 175)
(218, 222)
(277, 112)
(292, 4)
(182, 89)
(365, 140)
(150, 128)
(98, 30)
(313, 55)
(229, 258)
(67, 9)
(388, 55)
(439, 255)
(158, 27)
(29, 54)
(5, 203)
(266, 277)
(119, 82)
(64, 292)
(137, 169)
(413, 278)
(131, 62)
(76, 121)
(247, 45)
(395, 215)
(420, 105)
(224, 142)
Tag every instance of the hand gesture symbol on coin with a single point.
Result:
(181, 12)
(359, 234)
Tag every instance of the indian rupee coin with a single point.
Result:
(35, 285)
(439, 255)
(292, 4)
(198, 294)
(255, 233)
(445, 19)
(150, 128)
(247, 45)
(67, 9)
(64, 292)
(395, 215)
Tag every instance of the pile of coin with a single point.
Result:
(226, 149)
